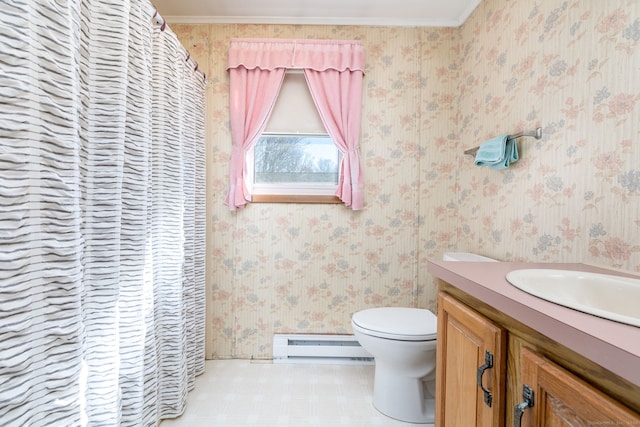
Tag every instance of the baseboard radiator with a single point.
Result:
(328, 349)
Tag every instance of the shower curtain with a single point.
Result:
(101, 215)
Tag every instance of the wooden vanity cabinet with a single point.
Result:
(471, 367)
(568, 389)
(559, 398)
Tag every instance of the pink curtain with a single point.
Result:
(334, 71)
(337, 95)
(253, 94)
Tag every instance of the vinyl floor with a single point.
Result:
(240, 393)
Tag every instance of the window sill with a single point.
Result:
(295, 198)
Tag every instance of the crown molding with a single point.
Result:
(288, 20)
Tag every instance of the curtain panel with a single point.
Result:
(333, 93)
(102, 200)
(333, 69)
(253, 95)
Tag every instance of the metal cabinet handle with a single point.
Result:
(527, 396)
(488, 364)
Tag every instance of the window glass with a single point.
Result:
(283, 159)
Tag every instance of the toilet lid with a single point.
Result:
(399, 323)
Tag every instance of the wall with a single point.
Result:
(307, 268)
(429, 94)
(572, 68)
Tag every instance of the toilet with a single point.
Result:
(403, 344)
(466, 256)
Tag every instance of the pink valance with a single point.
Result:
(318, 55)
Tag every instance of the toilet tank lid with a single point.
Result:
(413, 324)
(466, 256)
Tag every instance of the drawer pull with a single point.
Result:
(527, 396)
(488, 364)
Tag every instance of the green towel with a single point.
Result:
(497, 153)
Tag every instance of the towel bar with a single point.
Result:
(537, 134)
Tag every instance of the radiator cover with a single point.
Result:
(329, 349)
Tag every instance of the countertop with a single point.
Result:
(612, 345)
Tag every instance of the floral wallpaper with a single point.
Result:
(572, 68)
(569, 67)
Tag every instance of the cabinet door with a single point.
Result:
(562, 399)
(465, 338)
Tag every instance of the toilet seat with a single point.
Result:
(397, 323)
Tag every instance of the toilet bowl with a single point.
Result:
(403, 344)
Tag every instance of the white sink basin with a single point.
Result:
(611, 297)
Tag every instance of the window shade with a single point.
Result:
(295, 111)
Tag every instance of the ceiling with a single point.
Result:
(421, 13)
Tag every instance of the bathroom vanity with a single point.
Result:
(507, 358)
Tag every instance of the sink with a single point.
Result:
(611, 297)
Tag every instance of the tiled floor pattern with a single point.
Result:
(240, 393)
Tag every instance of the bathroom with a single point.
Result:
(429, 93)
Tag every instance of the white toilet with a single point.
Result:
(403, 344)
(466, 256)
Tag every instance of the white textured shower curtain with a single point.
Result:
(101, 215)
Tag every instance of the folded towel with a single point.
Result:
(497, 153)
(510, 156)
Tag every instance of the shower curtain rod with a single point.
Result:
(163, 25)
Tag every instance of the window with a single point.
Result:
(295, 160)
(333, 70)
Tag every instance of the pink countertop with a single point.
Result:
(612, 345)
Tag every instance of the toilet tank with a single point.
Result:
(465, 256)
